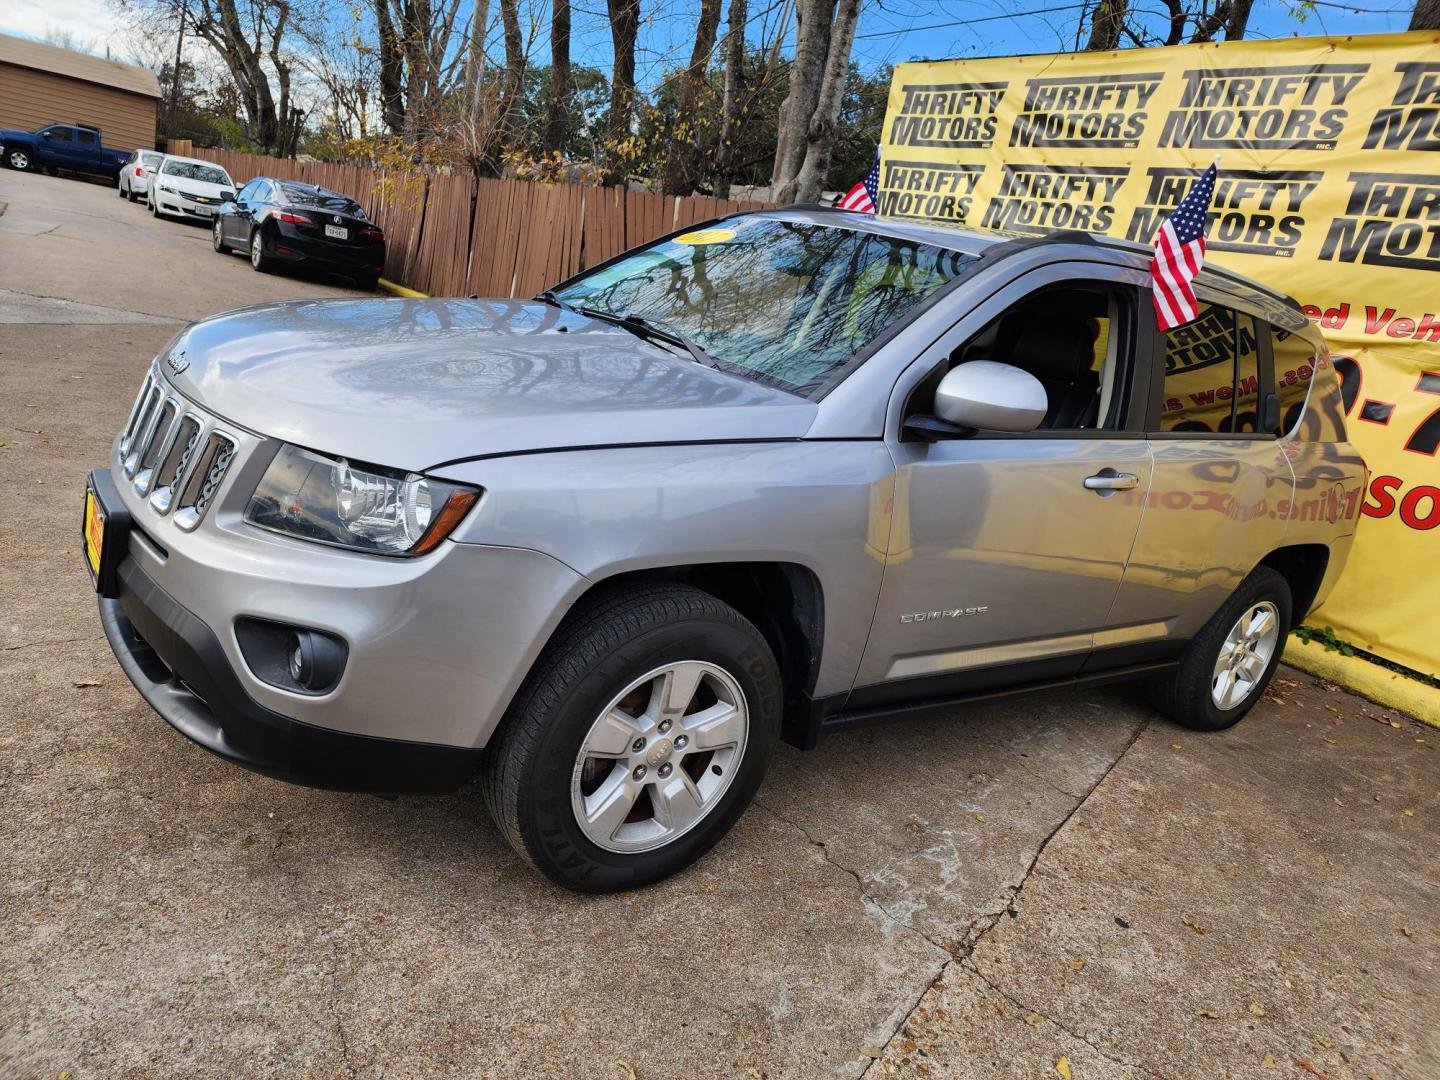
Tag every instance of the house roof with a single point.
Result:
(77, 65)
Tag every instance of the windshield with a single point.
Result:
(786, 302)
(193, 170)
(150, 160)
(325, 200)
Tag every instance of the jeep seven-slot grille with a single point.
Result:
(173, 454)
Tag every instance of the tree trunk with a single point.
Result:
(392, 70)
(624, 26)
(820, 137)
(1106, 24)
(812, 44)
(682, 151)
(514, 80)
(1238, 19)
(1426, 15)
(730, 110)
(557, 113)
(475, 73)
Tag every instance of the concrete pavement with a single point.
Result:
(982, 895)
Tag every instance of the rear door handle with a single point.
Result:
(1108, 480)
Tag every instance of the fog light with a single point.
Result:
(291, 657)
(314, 660)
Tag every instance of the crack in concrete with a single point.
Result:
(335, 1007)
(969, 965)
(33, 644)
(865, 894)
(963, 953)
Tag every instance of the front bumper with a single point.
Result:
(177, 664)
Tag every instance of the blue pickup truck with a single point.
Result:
(74, 148)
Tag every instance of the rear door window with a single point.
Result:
(1212, 374)
(84, 138)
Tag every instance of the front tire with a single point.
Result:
(1232, 659)
(217, 238)
(19, 160)
(637, 741)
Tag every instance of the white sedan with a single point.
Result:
(133, 179)
(188, 188)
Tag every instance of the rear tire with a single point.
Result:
(659, 657)
(120, 190)
(133, 196)
(1232, 659)
(261, 262)
(366, 282)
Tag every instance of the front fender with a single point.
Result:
(824, 505)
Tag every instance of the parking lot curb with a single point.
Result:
(400, 290)
(1380, 685)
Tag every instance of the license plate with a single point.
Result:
(203, 211)
(337, 232)
(94, 532)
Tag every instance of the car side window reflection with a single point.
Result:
(1212, 374)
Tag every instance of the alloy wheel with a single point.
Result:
(19, 160)
(257, 253)
(1245, 655)
(660, 757)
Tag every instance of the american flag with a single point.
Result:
(1179, 254)
(864, 195)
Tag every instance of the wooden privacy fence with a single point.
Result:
(454, 235)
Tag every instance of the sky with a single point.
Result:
(889, 31)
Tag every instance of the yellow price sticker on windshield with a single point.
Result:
(706, 236)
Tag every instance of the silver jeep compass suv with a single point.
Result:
(789, 472)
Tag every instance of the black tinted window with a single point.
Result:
(57, 134)
(85, 138)
(294, 195)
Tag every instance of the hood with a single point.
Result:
(414, 383)
(191, 186)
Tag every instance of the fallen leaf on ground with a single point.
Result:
(1121, 923)
(1193, 925)
(1268, 1061)
(1255, 1009)
(1077, 965)
(1063, 1067)
(1408, 813)
(1034, 1020)
(872, 1051)
(1208, 1015)
(1406, 931)
(752, 1072)
(1331, 741)
(1311, 1069)
(1175, 746)
(82, 683)
(979, 817)
(630, 1072)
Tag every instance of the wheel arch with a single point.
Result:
(784, 600)
(1304, 567)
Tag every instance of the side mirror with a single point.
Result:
(990, 395)
(227, 196)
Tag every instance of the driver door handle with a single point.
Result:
(1109, 480)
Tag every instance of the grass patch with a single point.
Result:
(1325, 635)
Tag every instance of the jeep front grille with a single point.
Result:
(170, 446)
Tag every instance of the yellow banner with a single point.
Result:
(1328, 189)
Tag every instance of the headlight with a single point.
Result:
(331, 501)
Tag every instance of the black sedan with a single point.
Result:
(284, 221)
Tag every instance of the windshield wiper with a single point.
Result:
(643, 328)
(549, 297)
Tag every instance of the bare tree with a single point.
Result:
(812, 45)
(820, 136)
(624, 28)
(682, 152)
(731, 107)
(557, 109)
(418, 64)
(1106, 24)
(1426, 15)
